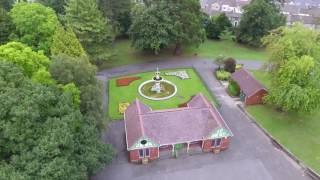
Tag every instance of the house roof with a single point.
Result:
(247, 83)
(199, 120)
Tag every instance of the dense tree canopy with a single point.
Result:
(216, 25)
(118, 11)
(175, 23)
(187, 18)
(66, 42)
(259, 17)
(57, 5)
(7, 4)
(42, 135)
(88, 23)
(151, 28)
(65, 69)
(35, 25)
(294, 63)
(33, 63)
(6, 25)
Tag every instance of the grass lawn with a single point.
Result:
(300, 134)
(186, 89)
(125, 54)
(263, 77)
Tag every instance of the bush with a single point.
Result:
(223, 75)
(233, 88)
(239, 66)
(230, 65)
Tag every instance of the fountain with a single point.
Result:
(157, 88)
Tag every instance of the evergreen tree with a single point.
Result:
(218, 24)
(118, 11)
(88, 23)
(66, 42)
(57, 5)
(6, 25)
(259, 17)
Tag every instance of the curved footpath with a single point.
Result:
(251, 155)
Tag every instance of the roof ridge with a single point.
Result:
(139, 116)
(204, 100)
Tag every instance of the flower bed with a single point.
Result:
(126, 81)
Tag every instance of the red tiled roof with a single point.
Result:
(172, 126)
(247, 83)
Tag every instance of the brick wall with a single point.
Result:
(207, 144)
(134, 155)
(257, 98)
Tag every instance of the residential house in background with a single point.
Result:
(152, 134)
(307, 12)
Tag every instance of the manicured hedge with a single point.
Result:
(223, 75)
(233, 88)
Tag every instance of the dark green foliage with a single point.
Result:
(65, 70)
(35, 25)
(151, 28)
(182, 25)
(88, 23)
(233, 88)
(188, 28)
(57, 5)
(93, 30)
(6, 4)
(42, 135)
(218, 24)
(6, 25)
(118, 11)
(230, 65)
(259, 17)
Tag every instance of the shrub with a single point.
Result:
(230, 65)
(233, 88)
(239, 66)
(223, 75)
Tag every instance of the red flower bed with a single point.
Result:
(126, 81)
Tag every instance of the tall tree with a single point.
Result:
(218, 24)
(7, 4)
(294, 63)
(118, 11)
(65, 70)
(151, 28)
(57, 5)
(259, 17)
(93, 30)
(6, 25)
(66, 42)
(42, 135)
(188, 28)
(88, 23)
(35, 25)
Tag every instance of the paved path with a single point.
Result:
(251, 155)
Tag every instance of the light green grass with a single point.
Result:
(300, 134)
(263, 77)
(186, 89)
(125, 54)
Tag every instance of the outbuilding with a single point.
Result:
(251, 90)
(153, 133)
